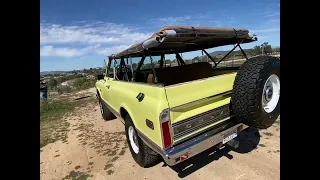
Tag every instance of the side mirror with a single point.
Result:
(100, 76)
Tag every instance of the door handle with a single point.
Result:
(108, 86)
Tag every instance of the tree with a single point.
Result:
(257, 50)
(266, 48)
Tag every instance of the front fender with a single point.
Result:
(98, 86)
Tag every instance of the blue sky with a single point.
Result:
(77, 34)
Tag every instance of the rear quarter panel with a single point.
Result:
(123, 95)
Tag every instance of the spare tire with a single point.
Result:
(255, 98)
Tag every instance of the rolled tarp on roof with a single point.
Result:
(179, 39)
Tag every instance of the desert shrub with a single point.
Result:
(83, 83)
(64, 89)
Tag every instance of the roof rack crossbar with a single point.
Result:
(179, 59)
(237, 45)
(210, 57)
(245, 55)
(203, 50)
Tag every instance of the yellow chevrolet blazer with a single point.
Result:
(176, 112)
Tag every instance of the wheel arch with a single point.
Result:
(124, 111)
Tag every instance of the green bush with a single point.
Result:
(83, 83)
(64, 89)
(54, 109)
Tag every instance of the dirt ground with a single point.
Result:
(96, 149)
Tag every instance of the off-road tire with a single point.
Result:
(105, 112)
(246, 99)
(146, 157)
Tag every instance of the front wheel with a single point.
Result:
(105, 112)
(140, 152)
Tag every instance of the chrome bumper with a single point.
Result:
(193, 146)
(197, 145)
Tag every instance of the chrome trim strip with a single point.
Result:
(199, 121)
(200, 100)
(201, 115)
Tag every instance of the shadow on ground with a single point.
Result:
(248, 141)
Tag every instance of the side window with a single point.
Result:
(112, 64)
(135, 62)
(147, 62)
(123, 73)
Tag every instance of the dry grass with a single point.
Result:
(53, 114)
(53, 126)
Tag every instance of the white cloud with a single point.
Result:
(111, 50)
(62, 52)
(170, 21)
(96, 38)
(97, 32)
(187, 20)
(46, 51)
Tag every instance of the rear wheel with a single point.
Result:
(256, 92)
(140, 152)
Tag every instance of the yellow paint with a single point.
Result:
(123, 94)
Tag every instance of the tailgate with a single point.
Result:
(193, 104)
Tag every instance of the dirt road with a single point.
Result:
(95, 149)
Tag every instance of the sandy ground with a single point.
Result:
(96, 149)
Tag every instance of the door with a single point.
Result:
(106, 83)
(105, 90)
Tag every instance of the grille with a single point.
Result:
(199, 121)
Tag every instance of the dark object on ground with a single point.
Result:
(43, 90)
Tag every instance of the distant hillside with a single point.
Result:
(43, 73)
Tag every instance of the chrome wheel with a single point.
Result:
(271, 93)
(101, 107)
(133, 139)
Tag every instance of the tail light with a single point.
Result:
(166, 129)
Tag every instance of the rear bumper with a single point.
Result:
(195, 145)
